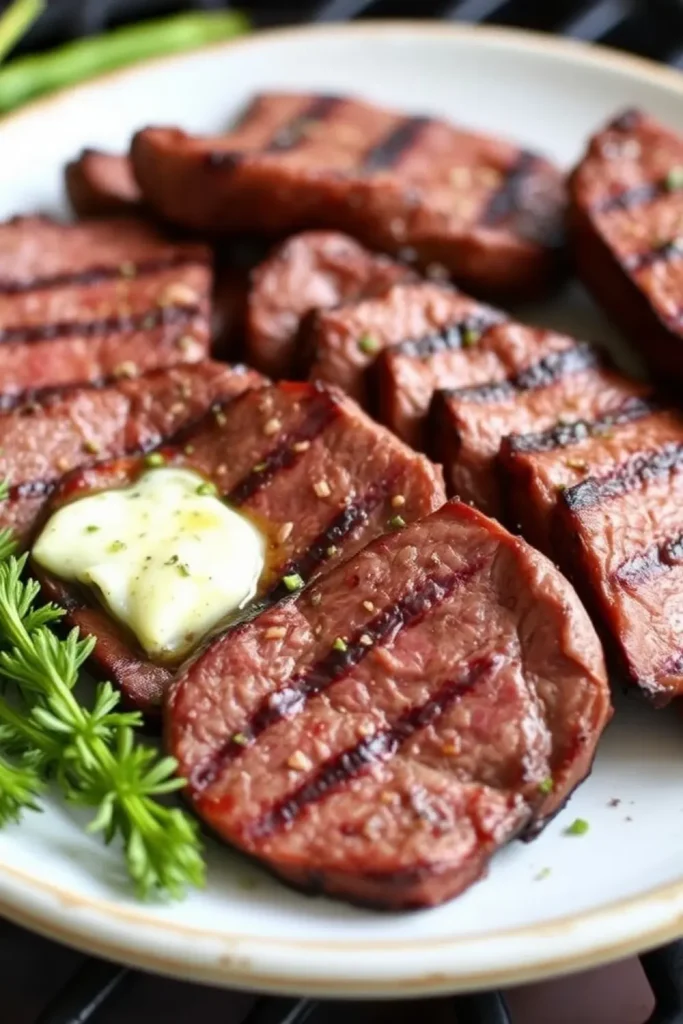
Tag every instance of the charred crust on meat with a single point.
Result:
(638, 470)
(564, 435)
(166, 316)
(223, 160)
(290, 135)
(647, 565)
(627, 121)
(323, 410)
(453, 336)
(354, 514)
(335, 666)
(663, 253)
(630, 198)
(380, 747)
(95, 274)
(395, 145)
(542, 374)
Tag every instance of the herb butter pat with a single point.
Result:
(165, 556)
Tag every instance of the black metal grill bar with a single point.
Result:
(84, 994)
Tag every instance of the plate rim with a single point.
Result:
(52, 910)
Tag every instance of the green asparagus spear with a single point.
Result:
(17, 20)
(28, 77)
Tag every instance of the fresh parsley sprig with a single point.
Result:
(90, 753)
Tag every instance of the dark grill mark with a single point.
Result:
(165, 316)
(289, 136)
(399, 141)
(667, 251)
(510, 198)
(564, 435)
(628, 121)
(458, 335)
(336, 665)
(632, 197)
(93, 275)
(354, 514)
(321, 412)
(377, 749)
(639, 469)
(547, 371)
(647, 565)
(223, 159)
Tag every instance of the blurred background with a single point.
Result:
(653, 28)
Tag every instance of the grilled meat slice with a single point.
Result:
(430, 338)
(317, 475)
(343, 343)
(382, 735)
(489, 213)
(619, 535)
(102, 185)
(536, 467)
(311, 271)
(626, 221)
(48, 433)
(469, 424)
(102, 298)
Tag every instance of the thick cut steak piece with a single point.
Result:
(316, 474)
(469, 423)
(48, 433)
(489, 213)
(626, 222)
(310, 271)
(382, 735)
(534, 468)
(102, 298)
(429, 337)
(619, 535)
(101, 185)
(342, 344)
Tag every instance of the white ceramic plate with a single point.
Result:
(615, 890)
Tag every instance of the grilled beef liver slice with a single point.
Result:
(83, 302)
(102, 185)
(625, 216)
(342, 344)
(620, 533)
(536, 467)
(382, 735)
(314, 471)
(313, 270)
(469, 423)
(49, 433)
(487, 211)
(468, 345)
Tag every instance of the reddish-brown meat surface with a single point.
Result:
(437, 339)
(313, 270)
(626, 218)
(101, 185)
(619, 534)
(342, 344)
(381, 736)
(49, 433)
(317, 475)
(84, 302)
(470, 423)
(536, 467)
(484, 209)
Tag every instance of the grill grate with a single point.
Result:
(652, 28)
